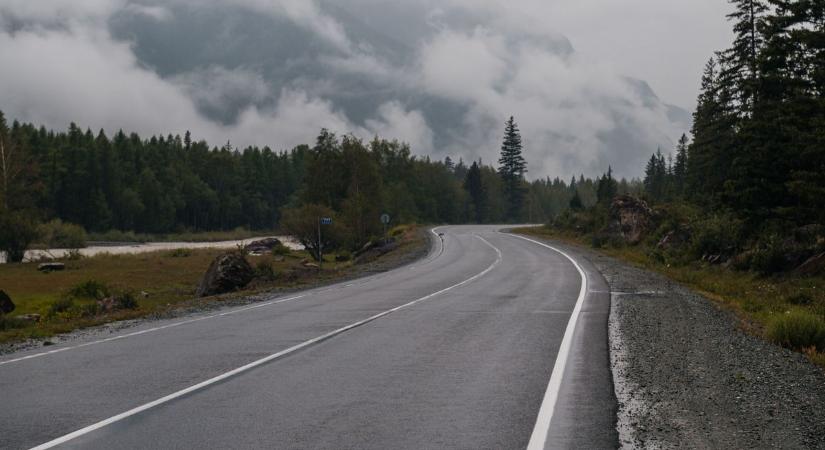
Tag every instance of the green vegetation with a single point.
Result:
(782, 308)
(106, 288)
(739, 213)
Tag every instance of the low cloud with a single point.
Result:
(441, 75)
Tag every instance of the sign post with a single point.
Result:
(322, 221)
(385, 219)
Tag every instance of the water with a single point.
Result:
(131, 249)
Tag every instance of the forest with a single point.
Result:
(749, 189)
(176, 184)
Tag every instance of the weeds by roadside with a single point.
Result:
(786, 309)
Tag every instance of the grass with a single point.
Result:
(168, 279)
(787, 310)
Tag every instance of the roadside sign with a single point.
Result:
(385, 218)
(326, 221)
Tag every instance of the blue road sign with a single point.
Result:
(326, 221)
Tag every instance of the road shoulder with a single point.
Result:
(685, 374)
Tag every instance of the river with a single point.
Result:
(134, 248)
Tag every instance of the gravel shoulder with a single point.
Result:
(407, 254)
(686, 376)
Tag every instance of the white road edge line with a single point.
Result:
(538, 439)
(184, 322)
(151, 330)
(252, 365)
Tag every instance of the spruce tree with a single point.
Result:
(512, 168)
(742, 58)
(680, 166)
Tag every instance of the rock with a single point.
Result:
(6, 305)
(227, 273)
(51, 267)
(815, 265)
(630, 218)
(144, 294)
(263, 245)
(310, 265)
(33, 318)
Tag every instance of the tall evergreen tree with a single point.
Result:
(512, 167)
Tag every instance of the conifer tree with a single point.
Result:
(512, 168)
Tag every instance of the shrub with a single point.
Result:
(343, 256)
(90, 289)
(61, 305)
(89, 310)
(17, 231)
(265, 270)
(719, 234)
(180, 253)
(59, 234)
(281, 250)
(798, 330)
(127, 301)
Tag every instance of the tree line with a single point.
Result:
(758, 148)
(169, 184)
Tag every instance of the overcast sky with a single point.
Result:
(591, 82)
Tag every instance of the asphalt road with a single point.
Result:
(454, 351)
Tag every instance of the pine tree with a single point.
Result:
(512, 168)
(680, 166)
(607, 188)
(742, 58)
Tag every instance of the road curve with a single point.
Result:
(454, 351)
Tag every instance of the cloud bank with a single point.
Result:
(443, 76)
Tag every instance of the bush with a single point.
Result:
(798, 330)
(61, 305)
(281, 250)
(17, 231)
(127, 300)
(90, 289)
(59, 234)
(265, 270)
(719, 234)
(180, 253)
(89, 310)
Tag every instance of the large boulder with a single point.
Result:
(630, 218)
(227, 273)
(6, 305)
(263, 245)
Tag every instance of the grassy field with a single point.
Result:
(160, 281)
(770, 307)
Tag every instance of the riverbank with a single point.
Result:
(163, 284)
(127, 248)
